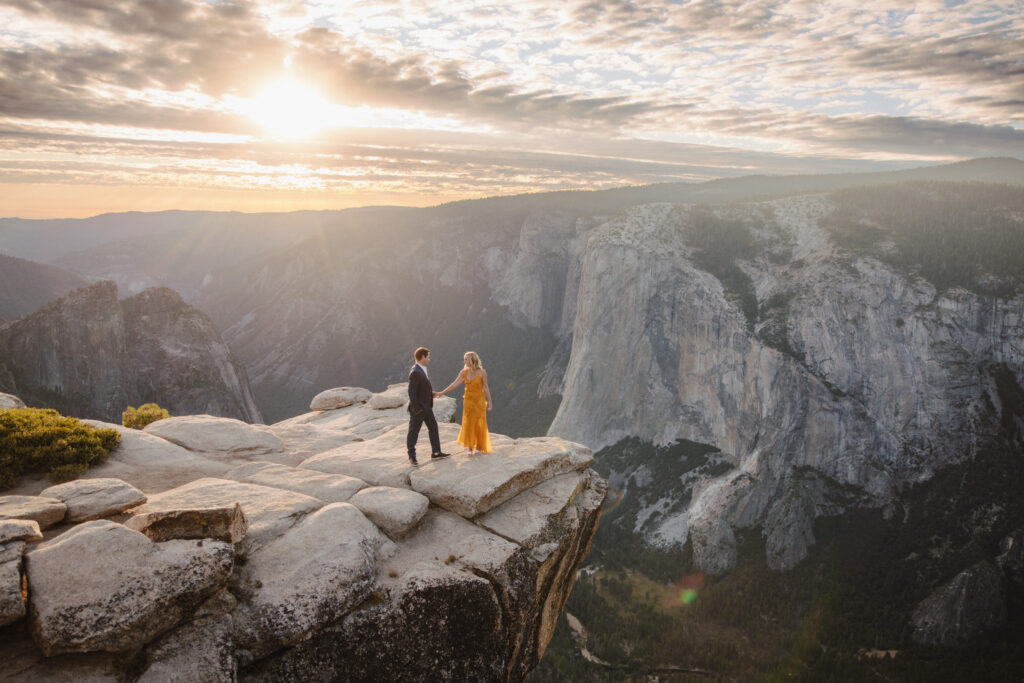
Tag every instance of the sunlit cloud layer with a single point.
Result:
(315, 104)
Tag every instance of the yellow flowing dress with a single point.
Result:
(473, 434)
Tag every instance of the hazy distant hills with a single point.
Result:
(175, 249)
(26, 285)
(189, 232)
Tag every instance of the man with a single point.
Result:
(421, 408)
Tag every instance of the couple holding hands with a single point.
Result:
(475, 404)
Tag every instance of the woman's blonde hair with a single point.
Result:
(473, 360)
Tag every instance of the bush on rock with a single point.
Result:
(41, 440)
(146, 413)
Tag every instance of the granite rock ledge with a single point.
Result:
(343, 563)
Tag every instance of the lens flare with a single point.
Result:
(613, 501)
(684, 591)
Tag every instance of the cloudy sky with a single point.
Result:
(112, 105)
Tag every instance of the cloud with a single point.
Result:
(169, 44)
(581, 93)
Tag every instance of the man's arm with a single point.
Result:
(415, 384)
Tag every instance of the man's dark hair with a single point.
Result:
(421, 352)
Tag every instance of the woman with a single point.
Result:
(475, 404)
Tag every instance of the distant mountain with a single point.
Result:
(90, 355)
(27, 285)
(189, 257)
(185, 250)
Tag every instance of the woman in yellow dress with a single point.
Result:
(475, 404)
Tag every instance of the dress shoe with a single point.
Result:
(438, 456)
(414, 462)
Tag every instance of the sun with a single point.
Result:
(290, 110)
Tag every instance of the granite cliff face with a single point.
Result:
(90, 355)
(304, 550)
(850, 380)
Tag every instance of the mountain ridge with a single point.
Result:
(90, 354)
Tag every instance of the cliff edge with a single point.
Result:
(304, 550)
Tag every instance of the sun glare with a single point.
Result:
(291, 110)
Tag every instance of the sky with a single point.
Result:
(275, 105)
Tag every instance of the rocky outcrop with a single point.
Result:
(101, 586)
(19, 530)
(44, 511)
(967, 607)
(395, 511)
(216, 435)
(225, 523)
(88, 499)
(289, 573)
(12, 600)
(339, 397)
(90, 355)
(9, 401)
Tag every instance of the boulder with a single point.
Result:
(306, 579)
(10, 402)
(20, 530)
(471, 486)
(969, 606)
(88, 499)
(12, 603)
(395, 511)
(226, 523)
(270, 511)
(100, 586)
(330, 488)
(396, 396)
(1011, 557)
(45, 511)
(216, 435)
(339, 397)
(200, 650)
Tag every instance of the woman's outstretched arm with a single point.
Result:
(455, 382)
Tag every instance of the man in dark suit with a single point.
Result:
(421, 408)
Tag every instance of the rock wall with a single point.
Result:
(310, 550)
(877, 381)
(92, 356)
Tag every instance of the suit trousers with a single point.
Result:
(415, 422)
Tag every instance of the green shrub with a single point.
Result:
(146, 413)
(40, 440)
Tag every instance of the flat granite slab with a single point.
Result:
(472, 485)
(330, 488)
(270, 511)
(382, 461)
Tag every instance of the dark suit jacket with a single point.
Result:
(421, 394)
